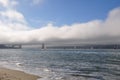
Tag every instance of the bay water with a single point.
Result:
(84, 64)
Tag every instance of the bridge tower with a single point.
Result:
(43, 46)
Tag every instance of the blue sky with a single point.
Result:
(61, 12)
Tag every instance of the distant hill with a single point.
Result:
(10, 46)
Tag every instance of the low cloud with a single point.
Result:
(14, 29)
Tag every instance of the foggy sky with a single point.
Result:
(14, 28)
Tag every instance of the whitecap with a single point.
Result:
(46, 70)
(19, 64)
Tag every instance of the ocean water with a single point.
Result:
(64, 64)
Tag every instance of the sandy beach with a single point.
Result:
(8, 74)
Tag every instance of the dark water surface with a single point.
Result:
(64, 64)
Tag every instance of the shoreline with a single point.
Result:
(9, 74)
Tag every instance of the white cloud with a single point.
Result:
(8, 3)
(10, 18)
(14, 3)
(112, 23)
(12, 15)
(4, 3)
(36, 2)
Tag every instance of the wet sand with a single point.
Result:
(8, 74)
